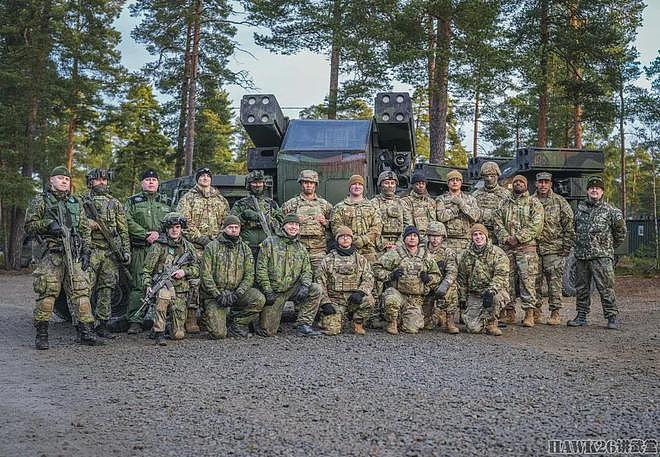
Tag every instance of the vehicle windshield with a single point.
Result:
(326, 135)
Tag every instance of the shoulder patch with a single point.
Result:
(137, 198)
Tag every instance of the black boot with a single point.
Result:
(102, 330)
(238, 330)
(41, 341)
(307, 330)
(578, 321)
(612, 323)
(159, 338)
(87, 336)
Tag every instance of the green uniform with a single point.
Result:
(445, 259)
(458, 213)
(251, 229)
(228, 265)
(282, 266)
(599, 228)
(144, 213)
(364, 219)
(420, 209)
(489, 200)
(394, 217)
(51, 271)
(482, 269)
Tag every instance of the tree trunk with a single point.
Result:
(183, 105)
(192, 90)
(73, 121)
(475, 133)
(623, 149)
(441, 83)
(577, 77)
(543, 86)
(334, 60)
(432, 90)
(577, 125)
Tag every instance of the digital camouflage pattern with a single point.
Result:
(204, 209)
(458, 213)
(364, 219)
(489, 200)
(421, 210)
(251, 230)
(394, 218)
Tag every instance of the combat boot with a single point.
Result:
(159, 338)
(538, 316)
(509, 316)
(392, 328)
(307, 330)
(442, 319)
(451, 327)
(41, 341)
(191, 321)
(554, 318)
(134, 328)
(358, 328)
(612, 323)
(493, 329)
(579, 320)
(87, 337)
(102, 330)
(528, 321)
(238, 330)
(178, 334)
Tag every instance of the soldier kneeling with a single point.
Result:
(346, 281)
(227, 275)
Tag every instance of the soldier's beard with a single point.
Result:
(100, 190)
(388, 192)
(490, 185)
(232, 238)
(257, 192)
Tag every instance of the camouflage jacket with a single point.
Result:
(344, 273)
(394, 216)
(558, 234)
(482, 269)
(413, 265)
(489, 200)
(458, 213)
(43, 209)
(361, 217)
(162, 254)
(251, 230)
(113, 216)
(282, 262)
(599, 228)
(447, 263)
(312, 233)
(226, 265)
(205, 211)
(520, 216)
(420, 210)
(144, 213)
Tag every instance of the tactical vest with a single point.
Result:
(410, 283)
(344, 273)
(391, 213)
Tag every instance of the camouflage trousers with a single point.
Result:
(476, 317)
(168, 299)
(552, 269)
(50, 276)
(406, 309)
(245, 312)
(360, 313)
(136, 293)
(433, 307)
(316, 247)
(459, 245)
(306, 311)
(193, 295)
(103, 278)
(601, 271)
(524, 267)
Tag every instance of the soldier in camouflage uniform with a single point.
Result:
(358, 214)
(173, 297)
(458, 211)
(104, 265)
(43, 221)
(204, 209)
(227, 275)
(412, 275)
(599, 228)
(518, 224)
(392, 211)
(346, 282)
(285, 273)
(483, 280)
(554, 245)
(314, 214)
(251, 208)
(441, 306)
(144, 214)
(491, 197)
(420, 207)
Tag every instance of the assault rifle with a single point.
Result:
(262, 219)
(71, 242)
(165, 278)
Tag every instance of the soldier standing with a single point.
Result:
(419, 205)
(57, 220)
(412, 274)
(358, 214)
(491, 197)
(392, 211)
(144, 214)
(285, 273)
(204, 209)
(518, 224)
(483, 277)
(314, 214)
(346, 282)
(555, 243)
(458, 211)
(104, 263)
(599, 228)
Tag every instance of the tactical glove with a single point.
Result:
(231, 297)
(356, 297)
(396, 274)
(425, 277)
(487, 298)
(221, 300)
(301, 294)
(250, 215)
(85, 257)
(327, 309)
(270, 298)
(442, 289)
(54, 229)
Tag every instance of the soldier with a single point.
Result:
(599, 228)
(284, 273)
(358, 214)
(314, 214)
(346, 283)
(518, 224)
(412, 274)
(227, 275)
(491, 197)
(483, 277)
(392, 211)
(144, 213)
(204, 209)
(173, 297)
(420, 207)
(554, 245)
(256, 211)
(53, 217)
(104, 264)
(458, 211)
(442, 305)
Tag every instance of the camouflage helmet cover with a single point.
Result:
(436, 229)
(98, 173)
(174, 218)
(490, 167)
(309, 176)
(254, 175)
(387, 174)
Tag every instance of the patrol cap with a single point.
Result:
(454, 174)
(309, 176)
(596, 181)
(203, 171)
(436, 229)
(410, 230)
(150, 173)
(291, 217)
(355, 179)
(544, 175)
(519, 178)
(479, 228)
(387, 174)
(418, 177)
(230, 220)
(60, 171)
(343, 230)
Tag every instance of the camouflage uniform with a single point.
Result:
(447, 263)
(404, 298)
(488, 201)
(420, 209)
(228, 265)
(458, 213)
(144, 213)
(364, 219)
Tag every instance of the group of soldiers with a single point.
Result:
(402, 263)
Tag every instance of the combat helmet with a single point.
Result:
(174, 218)
(254, 175)
(309, 176)
(490, 167)
(97, 173)
(436, 228)
(387, 174)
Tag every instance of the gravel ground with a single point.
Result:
(413, 395)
